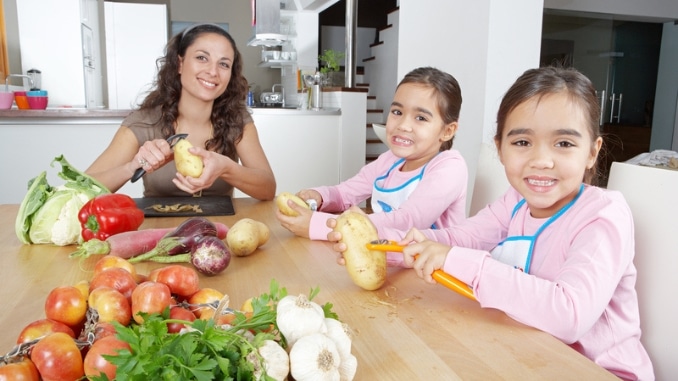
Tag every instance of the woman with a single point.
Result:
(199, 91)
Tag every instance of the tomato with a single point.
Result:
(111, 305)
(204, 296)
(66, 304)
(57, 358)
(150, 297)
(23, 370)
(179, 313)
(111, 261)
(114, 277)
(181, 280)
(42, 327)
(83, 286)
(103, 329)
(95, 364)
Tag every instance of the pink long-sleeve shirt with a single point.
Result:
(440, 197)
(581, 286)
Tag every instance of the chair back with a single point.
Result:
(490, 182)
(652, 194)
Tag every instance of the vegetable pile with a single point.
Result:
(50, 214)
(130, 326)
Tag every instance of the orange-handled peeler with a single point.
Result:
(440, 276)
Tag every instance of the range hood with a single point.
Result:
(266, 24)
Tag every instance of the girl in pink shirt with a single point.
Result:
(554, 252)
(420, 181)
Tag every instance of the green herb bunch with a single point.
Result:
(205, 351)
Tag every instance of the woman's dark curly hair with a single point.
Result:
(228, 109)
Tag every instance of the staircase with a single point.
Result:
(380, 77)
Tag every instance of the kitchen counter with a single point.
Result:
(59, 115)
(407, 330)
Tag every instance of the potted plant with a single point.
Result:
(329, 67)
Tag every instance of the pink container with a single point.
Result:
(6, 100)
(37, 103)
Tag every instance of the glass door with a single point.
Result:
(621, 59)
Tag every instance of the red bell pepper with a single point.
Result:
(109, 214)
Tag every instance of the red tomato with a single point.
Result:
(114, 277)
(95, 363)
(66, 304)
(110, 261)
(57, 358)
(42, 327)
(23, 370)
(150, 297)
(179, 313)
(181, 280)
(204, 296)
(111, 305)
(103, 329)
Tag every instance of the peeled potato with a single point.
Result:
(281, 202)
(187, 163)
(246, 235)
(367, 268)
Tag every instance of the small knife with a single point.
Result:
(440, 276)
(172, 140)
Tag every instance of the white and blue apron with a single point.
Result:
(517, 250)
(389, 199)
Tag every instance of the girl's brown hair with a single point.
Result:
(550, 80)
(447, 91)
(228, 109)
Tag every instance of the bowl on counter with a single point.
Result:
(21, 100)
(6, 100)
(37, 99)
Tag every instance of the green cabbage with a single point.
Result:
(50, 214)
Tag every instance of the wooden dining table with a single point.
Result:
(405, 330)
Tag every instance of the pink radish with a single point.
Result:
(130, 244)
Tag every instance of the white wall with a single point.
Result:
(485, 44)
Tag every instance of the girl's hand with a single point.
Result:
(310, 194)
(334, 236)
(431, 254)
(298, 225)
(152, 155)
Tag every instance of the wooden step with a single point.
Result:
(376, 44)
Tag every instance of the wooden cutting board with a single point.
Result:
(186, 206)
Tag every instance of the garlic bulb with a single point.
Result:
(342, 336)
(315, 357)
(297, 316)
(347, 367)
(276, 361)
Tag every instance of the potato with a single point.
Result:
(187, 163)
(246, 235)
(281, 202)
(367, 268)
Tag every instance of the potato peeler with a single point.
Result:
(172, 140)
(440, 276)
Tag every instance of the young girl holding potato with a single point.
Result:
(420, 181)
(199, 90)
(554, 252)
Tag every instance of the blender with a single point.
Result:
(35, 75)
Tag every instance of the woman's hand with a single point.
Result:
(299, 224)
(213, 167)
(152, 155)
(431, 254)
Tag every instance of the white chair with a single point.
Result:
(490, 182)
(652, 194)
